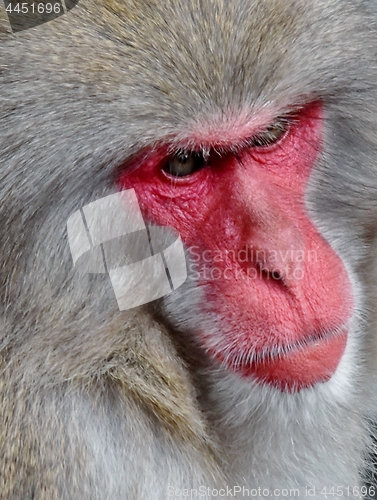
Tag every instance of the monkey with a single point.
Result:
(248, 127)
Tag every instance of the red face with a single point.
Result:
(281, 295)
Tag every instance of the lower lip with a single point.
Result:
(301, 368)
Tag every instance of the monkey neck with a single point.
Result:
(246, 419)
(251, 419)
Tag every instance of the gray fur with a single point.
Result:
(102, 404)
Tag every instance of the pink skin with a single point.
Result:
(290, 332)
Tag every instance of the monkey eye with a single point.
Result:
(272, 134)
(184, 163)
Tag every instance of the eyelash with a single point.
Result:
(185, 163)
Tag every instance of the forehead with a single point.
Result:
(178, 61)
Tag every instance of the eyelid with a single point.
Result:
(282, 124)
(285, 122)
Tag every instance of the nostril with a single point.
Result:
(276, 275)
(270, 274)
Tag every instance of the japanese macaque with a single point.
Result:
(248, 127)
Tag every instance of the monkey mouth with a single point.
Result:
(296, 366)
(307, 342)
